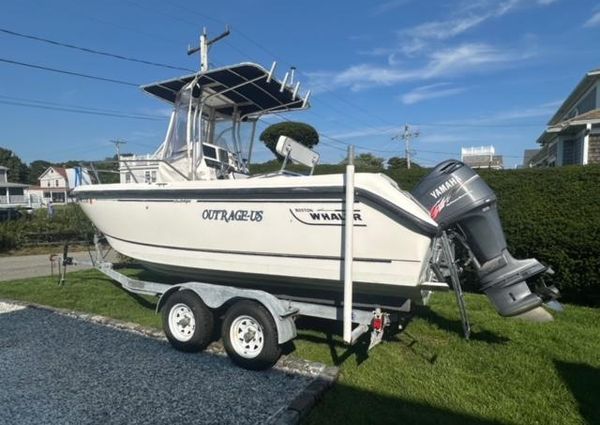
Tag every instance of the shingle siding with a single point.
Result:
(594, 149)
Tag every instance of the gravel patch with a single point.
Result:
(59, 369)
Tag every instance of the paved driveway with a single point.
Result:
(24, 266)
(56, 369)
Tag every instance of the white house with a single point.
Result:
(11, 194)
(481, 157)
(57, 182)
(573, 133)
(138, 168)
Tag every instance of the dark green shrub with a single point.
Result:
(69, 224)
(553, 214)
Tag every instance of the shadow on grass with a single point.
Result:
(584, 382)
(350, 405)
(455, 327)
(339, 351)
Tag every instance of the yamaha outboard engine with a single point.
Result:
(458, 198)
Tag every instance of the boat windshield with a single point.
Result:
(234, 136)
(177, 139)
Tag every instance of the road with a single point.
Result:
(58, 369)
(24, 266)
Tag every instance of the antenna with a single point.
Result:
(407, 135)
(204, 45)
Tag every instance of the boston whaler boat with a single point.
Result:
(298, 237)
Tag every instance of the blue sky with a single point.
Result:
(464, 73)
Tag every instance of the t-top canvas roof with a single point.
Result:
(244, 85)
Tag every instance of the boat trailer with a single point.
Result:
(257, 322)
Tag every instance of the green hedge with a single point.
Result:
(69, 224)
(553, 214)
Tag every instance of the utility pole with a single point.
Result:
(118, 144)
(204, 45)
(407, 135)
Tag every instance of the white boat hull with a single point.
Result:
(258, 231)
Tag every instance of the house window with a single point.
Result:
(127, 177)
(58, 197)
(56, 183)
(48, 183)
(147, 177)
(572, 152)
(153, 176)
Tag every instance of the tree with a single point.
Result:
(17, 170)
(36, 168)
(299, 131)
(366, 160)
(396, 162)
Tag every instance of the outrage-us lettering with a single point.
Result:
(233, 215)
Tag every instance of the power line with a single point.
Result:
(92, 51)
(88, 108)
(36, 104)
(53, 108)
(72, 73)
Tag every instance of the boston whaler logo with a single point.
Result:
(233, 215)
(322, 217)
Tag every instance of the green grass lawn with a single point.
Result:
(510, 372)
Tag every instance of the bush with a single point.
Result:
(553, 214)
(69, 224)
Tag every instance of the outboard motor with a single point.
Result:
(457, 197)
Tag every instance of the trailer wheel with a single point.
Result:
(250, 336)
(187, 321)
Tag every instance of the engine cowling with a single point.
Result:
(457, 197)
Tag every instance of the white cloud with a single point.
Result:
(468, 16)
(468, 58)
(388, 6)
(431, 91)
(459, 60)
(365, 132)
(422, 52)
(442, 30)
(594, 21)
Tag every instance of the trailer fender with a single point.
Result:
(215, 296)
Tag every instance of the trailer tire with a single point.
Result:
(187, 321)
(250, 336)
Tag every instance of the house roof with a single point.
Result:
(584, 85)
(529, 154)
(2, 167)
(572, 125)
(59, 170)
